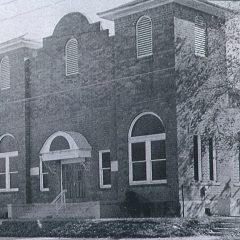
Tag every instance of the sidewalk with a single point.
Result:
(178, 238)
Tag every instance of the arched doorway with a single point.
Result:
(70, 149)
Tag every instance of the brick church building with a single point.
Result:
(88, 117)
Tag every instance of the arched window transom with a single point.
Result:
(4, 73)
(144, 36)
(71, 52)
(147, 150)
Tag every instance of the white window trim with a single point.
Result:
(101, 169)
(148, 138)
(42, 189)
(137, 37)
(6, 156)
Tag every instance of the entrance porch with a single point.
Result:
(65, 165)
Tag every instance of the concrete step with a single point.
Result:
(217, 234)
(228, 225)
(73, 210)
(224, 229)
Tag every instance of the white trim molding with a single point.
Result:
(79, 147)
(17, 43)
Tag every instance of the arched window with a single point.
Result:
(8, 164)
(200, 37)
(71, 53)
(4, 73)
(147, 150)
(144, 36)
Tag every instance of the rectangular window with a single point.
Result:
(44, 181)
(200, 37)
(9, 171)
(211, 160)
(139, 161)
(239, 162)
(158, 160)
(197, 155)
(105, 168)
(148, 160)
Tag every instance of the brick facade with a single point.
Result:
(112, 88)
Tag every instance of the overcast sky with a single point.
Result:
(37, 18)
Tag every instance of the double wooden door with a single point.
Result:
(73, 178)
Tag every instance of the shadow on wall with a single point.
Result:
(136, 206)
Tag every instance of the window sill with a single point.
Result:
(147, 183)
(9, 190)
(207, 183)
(200, 56)
(44, 190)
(148, 56)
(6, 88)
(105, 186)
(72, 75)
(212, 183)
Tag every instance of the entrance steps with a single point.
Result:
(225, 226)
(85, 210)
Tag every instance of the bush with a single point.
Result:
(132, 204)
(121, 228)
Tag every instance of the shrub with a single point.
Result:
(132, 204)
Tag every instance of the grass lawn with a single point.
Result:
(114, 228)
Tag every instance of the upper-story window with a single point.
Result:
(200, 37)
(4, 73)
(71, 52)
(144, 36)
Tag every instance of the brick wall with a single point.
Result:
(195, 111)
(12, 112)
(111, 89)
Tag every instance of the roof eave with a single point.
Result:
(116, 13)
(17, 44)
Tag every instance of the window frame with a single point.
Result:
(214, 160)
(147, 139)
(137, 37)
(199, 157)
(9, 75)
(42, 189)
(196, 21)
(66, 57)
(6, 156)
(101, 169)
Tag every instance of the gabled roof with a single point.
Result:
(140, 5)
(17, 43)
